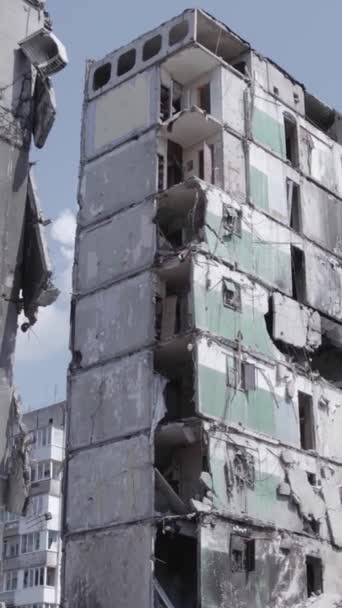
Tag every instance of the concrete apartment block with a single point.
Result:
(204, 461)
(31, 546)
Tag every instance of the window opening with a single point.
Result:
(232, 221)
(152, 47)
(165, 102)
(293, 202)
(242, 554)
(178, 32)
(231, 294)
(126, 62)
(203, 96)
(177, 94)
(291, 139)
(298, 274)
(174, 164)
(102, 76)
(240, 374)
(161, 170)
(306, 421)
(314, 575)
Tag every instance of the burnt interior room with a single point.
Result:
(176, 567)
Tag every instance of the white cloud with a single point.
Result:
(64, 228)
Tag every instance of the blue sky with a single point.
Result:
(302, 36)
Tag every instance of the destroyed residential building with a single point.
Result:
(31, 546)
(204, 457)
(30, 55)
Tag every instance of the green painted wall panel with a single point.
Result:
(252, 255)
(259, 188)
(211, 315)
(252, 409)
(268, 132)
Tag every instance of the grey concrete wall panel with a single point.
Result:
(321, 217)
(125, 176)
(110, 484)
(118, 397)
(122, 113)
(122, 246)
(115, 321)
(109, 569)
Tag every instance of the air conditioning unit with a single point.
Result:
(45, 51)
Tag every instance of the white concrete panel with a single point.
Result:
(114, 321)
(118, 397)
(121, 246)
(110, 484)
(125, 176)
(122, 112)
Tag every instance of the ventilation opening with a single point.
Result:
(152, 47)
(174, 163)
(314, 575)
(291, 139)
(203, 98)
(298, 274)
(102, 76)
(293, 201)
(178, 32)
(175, 570)
(126, 62)
(306, 421)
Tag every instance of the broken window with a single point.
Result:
(293, 203)
(203, 97)
(126, 62)
(231, 294)
(102, 76)
(306, 421)
(240, 374)
(231, 221)
(178, 32)
(298, 274)
(242, 554)
(152, 47)
(174, 164)
(291, 139)
(314, 575)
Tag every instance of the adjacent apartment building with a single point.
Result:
(31, 545)
(29, 54)
(204, 455)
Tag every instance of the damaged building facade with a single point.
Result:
(30, 54)
(204, 460)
